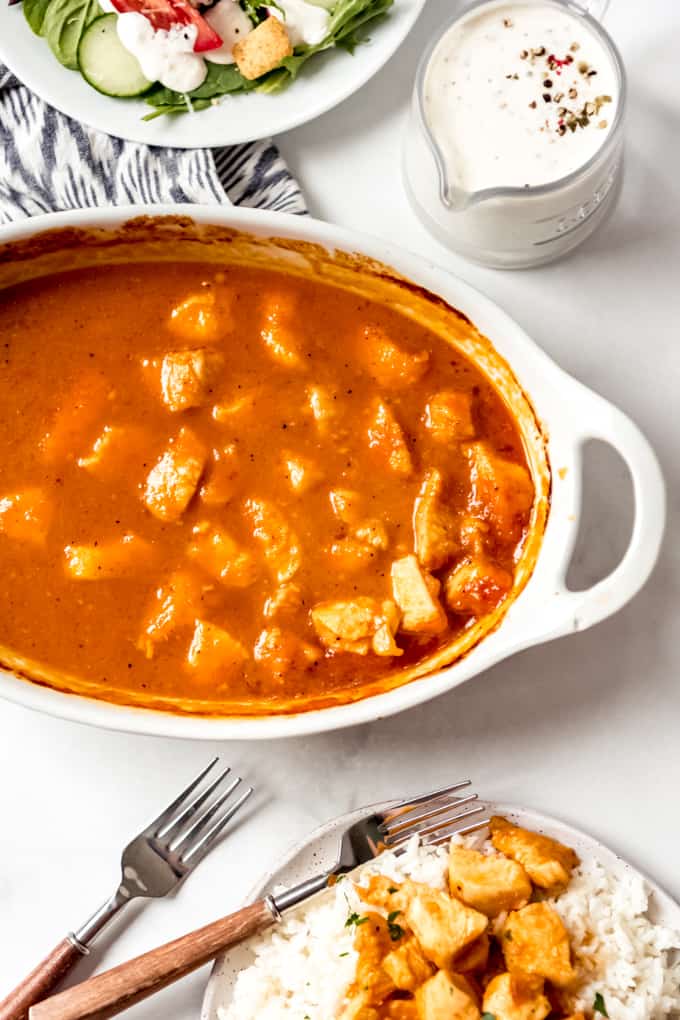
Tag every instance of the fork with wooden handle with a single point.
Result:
(152, 865)
(434, 817)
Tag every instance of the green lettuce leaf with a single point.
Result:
(221, 80)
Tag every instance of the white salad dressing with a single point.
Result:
(231, 23)
(164, 56)
(518, 95)
(306, 23)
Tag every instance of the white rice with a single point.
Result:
(302, 969)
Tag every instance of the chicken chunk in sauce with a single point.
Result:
(487, 946)
(547, 862)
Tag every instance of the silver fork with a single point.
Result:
(152, 865)
(433, 816)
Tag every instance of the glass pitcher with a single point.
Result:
(514, 227)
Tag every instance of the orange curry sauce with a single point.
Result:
(207, 477)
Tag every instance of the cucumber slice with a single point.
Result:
(106, 65)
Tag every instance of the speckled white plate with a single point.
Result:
(319, 850)
(326, 81)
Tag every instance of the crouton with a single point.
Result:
(172, 482)
(357, 625)
(188, 377)
(440, 998)
(26, 516)
(448, 416)
(221, 480)
(175, 604)
(435, 526)
(505, 1001)
(407, 966)
(281, 652)
(198, 319)
(214, 549)
(116, 450)
(301, 473)
(488, 882)
(535, 942)
(278, 328)
(279, 542)
(476, 585)
(415, 592)
(263, 49)
(103, 561)
(386, 438)
(502, 491)
(390, 365)
(75, 416)
(547, 862)
(214, 654)
(443, 926)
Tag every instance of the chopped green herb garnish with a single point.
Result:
(488, 1016)
(599, 1006)
(508, 935)
(343, 954)
(392, 889)
(396, 931)
(355, 919)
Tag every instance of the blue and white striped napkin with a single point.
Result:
(49, 162)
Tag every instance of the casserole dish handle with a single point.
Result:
(596, 418)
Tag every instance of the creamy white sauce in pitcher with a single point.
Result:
(518, 95)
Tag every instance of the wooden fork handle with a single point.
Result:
(113, 991)
(41, 981)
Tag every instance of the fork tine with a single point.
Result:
(464, 830)
(183, 837)
(411, 821)
(170, 810)
(438, 826)
(407, 805)
(200, 849)
(175, 824)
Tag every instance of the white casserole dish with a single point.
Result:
(569, 415)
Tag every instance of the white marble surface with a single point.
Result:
(586, 728)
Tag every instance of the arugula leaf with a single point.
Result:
(63, 24)
(34, 12)
(599, 1006)
(221, 80)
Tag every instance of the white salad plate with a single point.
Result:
(319, 849)
(326, 80)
